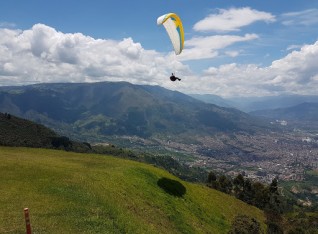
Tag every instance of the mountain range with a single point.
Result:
(121, 108)
(251, 104)
(302, 112)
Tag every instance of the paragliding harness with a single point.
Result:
(174, 78)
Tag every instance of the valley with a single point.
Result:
(168, 123)
(260, 157)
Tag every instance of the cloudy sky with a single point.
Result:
(232, 47)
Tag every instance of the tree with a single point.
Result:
(243, 224)
(225, 184)
(211, 177)
(247, 194)
(276, 203)
(297, 230)
(238, 185)
(260, 195)
(213, 181)
(273, 187)
(274, 228)
(61, 142)
(7, 115)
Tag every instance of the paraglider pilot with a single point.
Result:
(174, 78)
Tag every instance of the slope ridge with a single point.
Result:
(102, 194)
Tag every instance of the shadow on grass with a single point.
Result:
(172, 187)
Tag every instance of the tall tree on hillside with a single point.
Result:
(238, 183)
(211, 177)
(261, 195)
(225, 184)
(248, 192)
(273, 187)
(213, 181)
(276, 203)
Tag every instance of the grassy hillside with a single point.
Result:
(85, 193)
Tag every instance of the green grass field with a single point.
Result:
(85, 193)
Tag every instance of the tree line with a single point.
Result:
(268, 198)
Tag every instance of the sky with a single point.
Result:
(232, 48)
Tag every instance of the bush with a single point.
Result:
(243, 224)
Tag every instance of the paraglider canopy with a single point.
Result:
(174, 28)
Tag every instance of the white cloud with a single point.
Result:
(207, 47)
(42, 54)
(294, 47)
(299, 67)
(307, 18)
(296, 73)
(232, 53)
(232, 19)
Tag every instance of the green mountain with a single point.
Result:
(251, 104)
(122, 108)
(85, 193)
(213, 99)
(15, 131)
(302, 112)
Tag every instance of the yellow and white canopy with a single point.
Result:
(174, 28)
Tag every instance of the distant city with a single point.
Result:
(285, 156)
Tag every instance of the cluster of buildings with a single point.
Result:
(261, 157)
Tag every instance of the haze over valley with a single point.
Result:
(164, 122)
